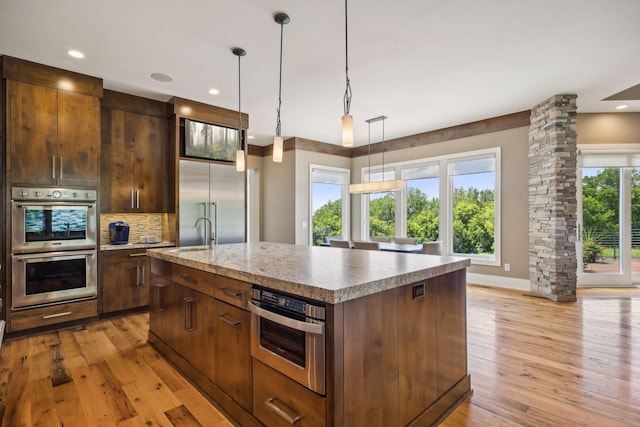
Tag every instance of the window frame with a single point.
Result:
(345, 178)
(445, 198)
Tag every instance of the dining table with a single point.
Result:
(391, 247)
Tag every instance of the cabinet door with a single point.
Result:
(125, 280)
(233, 370)
(116, 164)
(451, 289)
(151, 138)
(32, 133)
(78, 139)
(417, 343)
(165, 314)
(196, 342)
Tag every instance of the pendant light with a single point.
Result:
(382, 186)
(347, 119)
(240, 163)
(282, 19)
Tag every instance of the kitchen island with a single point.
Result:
(394, 334)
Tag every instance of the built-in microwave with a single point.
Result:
(288, 334)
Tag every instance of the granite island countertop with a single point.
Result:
(332, 275)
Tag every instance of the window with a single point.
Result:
(472, 184)
(453, 198)
(382, 208)
(422, 210)
(329, 203)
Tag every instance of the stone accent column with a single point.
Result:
(552, 198)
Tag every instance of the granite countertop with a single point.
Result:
(332, 275)
(136, 246)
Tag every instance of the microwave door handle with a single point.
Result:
(313, 328)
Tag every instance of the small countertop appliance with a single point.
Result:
(119, 233)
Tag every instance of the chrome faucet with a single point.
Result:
(212, 238)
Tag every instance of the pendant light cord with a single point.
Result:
(280, 81)
(239, 109)
(347, 92)
(383, 149)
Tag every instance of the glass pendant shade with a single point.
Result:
(378, 186)
(277, 149)
(347, 130)
(240, 160)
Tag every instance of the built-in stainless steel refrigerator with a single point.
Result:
(215, 191)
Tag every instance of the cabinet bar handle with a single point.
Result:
(51, 316)
(137, 199)
(188, 314)
(60, 166)
(228, 321)
(187, 278)
(142, 275)
(231, 293)
(132, 201)
(158, 286)
(270, 402)
(140, 254)
(53, 167)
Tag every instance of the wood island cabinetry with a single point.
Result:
(394, 357)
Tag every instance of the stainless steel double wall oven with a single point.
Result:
(53, 246)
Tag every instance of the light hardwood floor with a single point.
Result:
(532, 363)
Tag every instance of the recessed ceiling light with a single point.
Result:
(161, 77)
(75, 53)
(622, 107)
(214, 91)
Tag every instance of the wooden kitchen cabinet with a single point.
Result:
(233, 371)
(184, 319)
(134, 155)
(124, 280)
(53, 136)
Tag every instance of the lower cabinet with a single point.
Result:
(124, 279)
(232, 370)
(280, 401)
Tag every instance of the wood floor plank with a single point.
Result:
(44, 411)
(202, 410)
(68, 406)
(17, 412)
(118, 404)
(181, 417)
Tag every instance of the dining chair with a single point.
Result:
(405, 240)
(370, 246)
(432, 248)
(327, 239)
(339, 243)
(385, 239)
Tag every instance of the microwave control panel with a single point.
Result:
(53, 194)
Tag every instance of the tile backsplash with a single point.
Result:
(147, 224)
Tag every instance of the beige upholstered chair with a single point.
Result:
(385, 239)
(370, 246)
(339, 243)
(432, 248)
(406, 240)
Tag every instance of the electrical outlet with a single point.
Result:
(507, 267)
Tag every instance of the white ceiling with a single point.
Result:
(426, 64)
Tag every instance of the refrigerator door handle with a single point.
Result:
(214, 232)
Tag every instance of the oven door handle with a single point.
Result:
(314, 328)
(54, 204)
(59, 254)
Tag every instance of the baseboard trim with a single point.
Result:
(499, 281)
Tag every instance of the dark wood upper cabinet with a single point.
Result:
(53, 136)
(135, 173)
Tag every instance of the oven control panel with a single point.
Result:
(53, 194)
(288, 303)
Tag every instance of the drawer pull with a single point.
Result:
(140, 254)
(231, 293)
(230, 322)
(188, 278)
(270, 402)
(158, 307)
(188, 314)
(51, 316)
